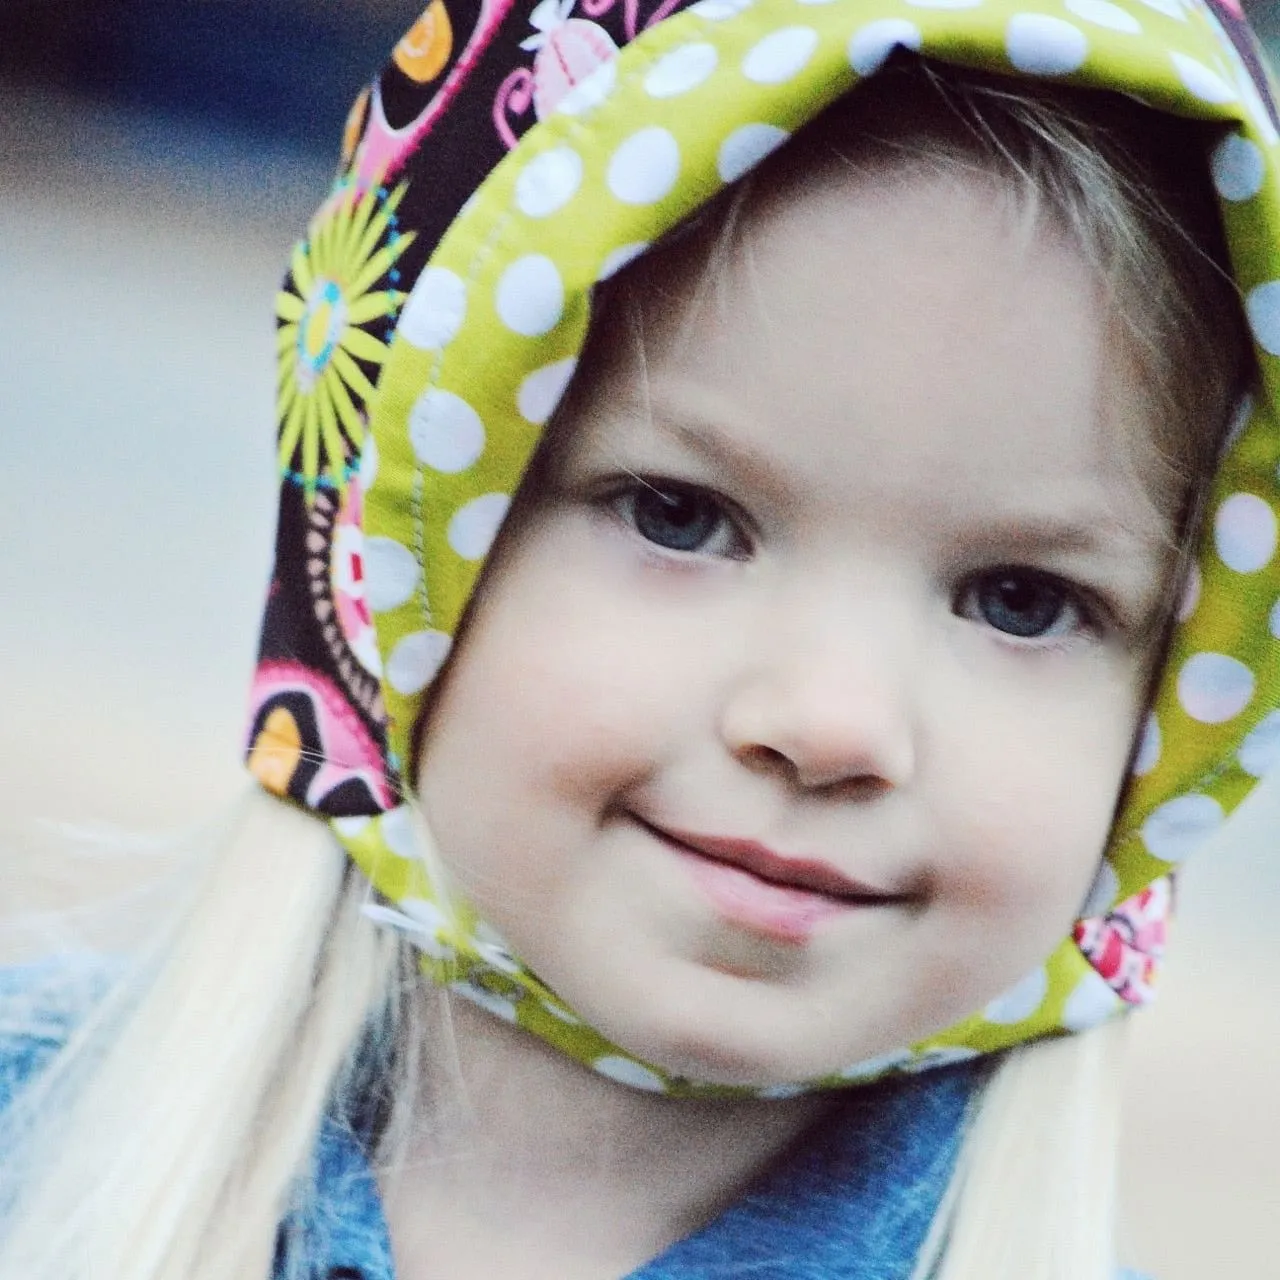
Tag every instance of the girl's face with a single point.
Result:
(790, 723)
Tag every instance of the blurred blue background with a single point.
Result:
(271, 68)
(274, 69)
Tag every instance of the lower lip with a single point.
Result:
(779, 912)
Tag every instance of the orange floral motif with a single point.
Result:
(276, 751)
(426, 46)
(354, 126)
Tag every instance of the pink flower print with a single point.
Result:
(569, 51)
(346, 569)
(1126, 944)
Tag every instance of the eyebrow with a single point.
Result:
(1092, 529)
(696, 425)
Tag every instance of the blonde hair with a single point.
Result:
(174, 1131)
(1033, 1194)
(168, 1137)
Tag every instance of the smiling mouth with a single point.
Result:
(769, 894)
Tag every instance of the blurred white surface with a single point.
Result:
(136, 361)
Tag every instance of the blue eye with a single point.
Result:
(679, 517)
(1022, 604)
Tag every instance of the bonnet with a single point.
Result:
(504, 162)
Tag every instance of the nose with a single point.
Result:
(827, 710)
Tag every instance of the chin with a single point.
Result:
(718, 1063)
(712, 1046)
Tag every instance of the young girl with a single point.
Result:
(889, 606)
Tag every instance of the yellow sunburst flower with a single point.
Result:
(329, 297)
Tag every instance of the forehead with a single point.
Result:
(837, 314)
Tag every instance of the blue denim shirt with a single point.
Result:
(852, 1201)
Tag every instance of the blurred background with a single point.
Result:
(157, 158)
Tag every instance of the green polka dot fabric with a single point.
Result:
(505, 162)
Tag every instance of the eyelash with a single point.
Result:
(1073, 617)
(628, 498)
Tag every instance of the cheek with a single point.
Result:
(577, 654)
(549, 708)
(1026, 843)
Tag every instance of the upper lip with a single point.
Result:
(778, 868)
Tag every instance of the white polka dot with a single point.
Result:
(435, 310)
(1190, 593)
(404, 922)
(780, 55)
(874, 1066)
(870, 47)
(1245, 532)
(1045, 46)
(432, 923)
(589, 93)
(745, 147)
(1180, 826)
(560, 1012)
(530, 296)
(475, 524)
(494, 949)
(1214, 688)
(415, 660)
(541, 390)
(1148, 754)
(1170, 8)
(1260, 751)
(1090, 1003)
(398, 833)
(624, 1071)
(944, 4)
(548, 182)
(391, 573)
(351, 827)
(1019, 1002)
(445, 431)
(682, 69)
(621, 257)
(1103, 13)
(1203, 82)
(1264, 315)
(645, 167)
(368, 462)
(720, 10)
(1275, 620)
(781, 1092)
(943, 1056)
(1102, 894)
(500, 1006)
(1239, 168)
